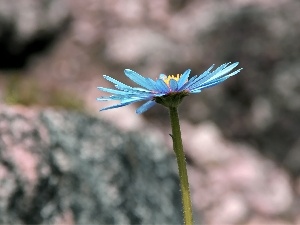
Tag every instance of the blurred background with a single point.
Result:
(241, 138)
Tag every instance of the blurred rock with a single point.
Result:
(28, 27)
(68, 168)
(261, 105)
(233, 183)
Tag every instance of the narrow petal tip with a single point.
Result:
(145, 107)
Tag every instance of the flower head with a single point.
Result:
(166, 90)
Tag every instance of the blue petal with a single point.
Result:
(204, 76)
(211, 84)
(112, 91)
(223, 71)
(195, 79)
(218, 79)
(173, 85)
(116, 82)
(184, 78)
(162, 87)
(207, 76)
(123, 103)
(151, 83)
(198, 90)
(105, 98)
(213, 73)
(136, 90)
(129, 92)
(137, 78)
(116, 106)
(145, 107)
(190, 81)
(124, 97)
(234, 73)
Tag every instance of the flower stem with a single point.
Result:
(183, 177)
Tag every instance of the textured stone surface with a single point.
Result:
(260, 106)
(233, 184)
(27, 27)
(69, 168)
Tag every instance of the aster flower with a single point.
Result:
(169, 91)
(166, 90)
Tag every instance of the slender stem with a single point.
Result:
(183, 177)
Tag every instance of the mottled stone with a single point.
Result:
(66, 167)
(29, 26)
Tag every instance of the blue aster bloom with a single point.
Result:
(166, 90)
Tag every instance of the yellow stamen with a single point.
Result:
(169, 77)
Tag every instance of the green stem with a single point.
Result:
(183, 177)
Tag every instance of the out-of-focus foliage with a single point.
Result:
(25, 91)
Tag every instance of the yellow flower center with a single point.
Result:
(169, 77)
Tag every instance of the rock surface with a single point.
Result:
(28, 27)
(69, 168)
(233, 184)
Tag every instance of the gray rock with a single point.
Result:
(29, 26)
(66, 167)
(260, 105)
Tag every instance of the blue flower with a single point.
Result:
(166, 90)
